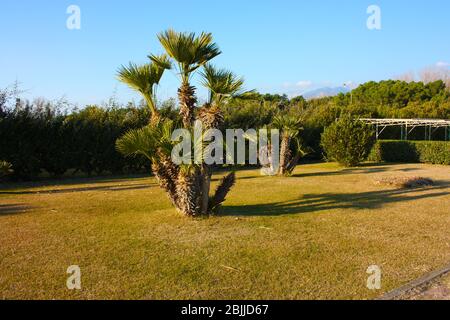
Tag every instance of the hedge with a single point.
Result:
(434, 152)
(39, 141)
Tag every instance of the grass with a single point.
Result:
(311, 236)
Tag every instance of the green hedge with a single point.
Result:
(435, 152)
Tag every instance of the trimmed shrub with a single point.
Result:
(434, 152)
(348, 141)
(37, 140)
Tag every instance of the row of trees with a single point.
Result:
(42, 136)
(39, 137)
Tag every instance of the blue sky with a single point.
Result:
(278, 46)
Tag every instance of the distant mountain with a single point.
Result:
(325, 92)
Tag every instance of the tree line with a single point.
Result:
(42, 137)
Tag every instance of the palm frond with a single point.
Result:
(162, 61)
(288, 124)
(221, 83)
(138, 141)
(188, 50)
(5, 168)
(144, 78)
(148, 140)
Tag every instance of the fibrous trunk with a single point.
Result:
(211, 117)
(187, 99)
(155, 118)
(188, 188)
(167, 173)
(285, 153)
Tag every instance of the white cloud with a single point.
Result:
(442, 64)
(304, 84)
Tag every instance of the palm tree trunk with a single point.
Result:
(166, 182)
(285, 153)
(221, 192)
(294, 161)
(155, 117)
(206, 185)
(189, 193)
(187, 99)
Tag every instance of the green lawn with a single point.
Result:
(311, 236)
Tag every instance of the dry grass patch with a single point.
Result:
(405, 182)
(310, 236)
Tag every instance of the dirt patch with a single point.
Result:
(405, 182)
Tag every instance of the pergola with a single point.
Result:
(408, 125)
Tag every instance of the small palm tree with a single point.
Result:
(290, 128)
(190, 52)
(144, 79)
(222, 85)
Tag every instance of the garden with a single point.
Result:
(99, 188)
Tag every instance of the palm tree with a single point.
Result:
(190, 52)
(144, 79)
(290, 128)
(222, 85)
(187, 185)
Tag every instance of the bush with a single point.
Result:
(434, 152)
(348, 141)
(36, 138)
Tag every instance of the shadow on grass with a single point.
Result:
(10, 209)
(310, 203)
(362, 169)
(113, 188)
(70, 181)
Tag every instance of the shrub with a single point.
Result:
(36, 138)
(348, 141)
(434, 152)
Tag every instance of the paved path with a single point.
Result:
(437, 290)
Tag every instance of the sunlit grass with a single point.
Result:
(306, 237)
